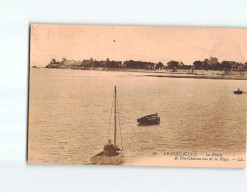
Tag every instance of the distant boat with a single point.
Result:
(238, 92)
(36, 67)
(101, 158)
(152, 119)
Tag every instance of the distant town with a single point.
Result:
(211, 63)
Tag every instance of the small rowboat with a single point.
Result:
(152, 119)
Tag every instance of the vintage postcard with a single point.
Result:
(140, 96)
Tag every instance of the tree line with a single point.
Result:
(132, 64)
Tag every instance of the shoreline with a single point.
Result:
(227, 77)
(199, 74)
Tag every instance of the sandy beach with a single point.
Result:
(195, 76)
(198, 74)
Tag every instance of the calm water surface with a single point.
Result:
(70, 112)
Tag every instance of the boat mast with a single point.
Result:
(115, 117)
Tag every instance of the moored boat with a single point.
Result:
(102, 159)
(238, 91)
(118, 155)
(151, 119)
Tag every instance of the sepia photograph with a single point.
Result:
(137, 96)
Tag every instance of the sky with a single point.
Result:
(154, 44)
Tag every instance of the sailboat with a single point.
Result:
(117, 158)
(238, 91)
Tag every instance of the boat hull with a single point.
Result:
(149, 122)
(102, 159)
(152, 119)
(238, 92)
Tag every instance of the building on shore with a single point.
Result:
(211, 61)
(53, 64)
(67, 64)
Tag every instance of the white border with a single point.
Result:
(16, 175)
